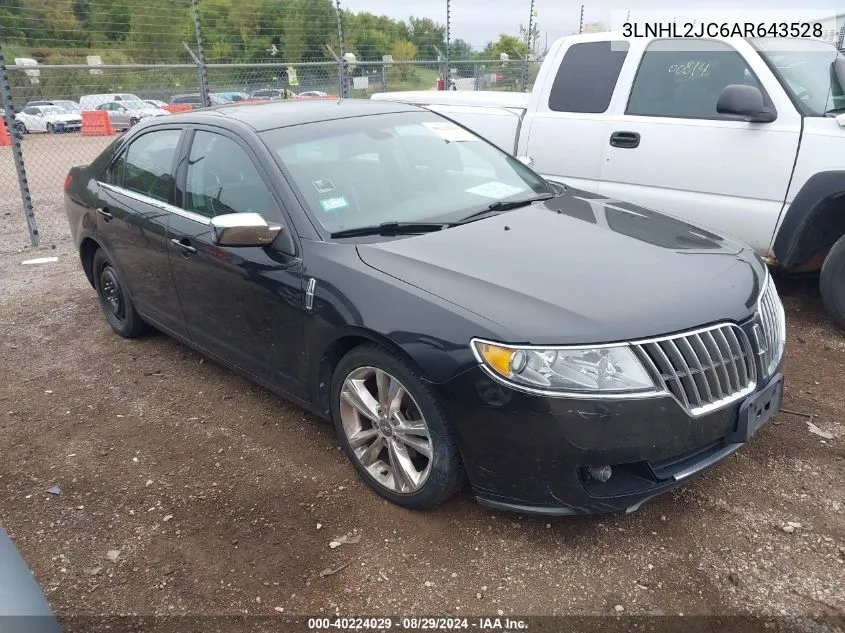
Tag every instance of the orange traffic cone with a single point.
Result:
(4, 135)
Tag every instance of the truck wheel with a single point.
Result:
(832, 282)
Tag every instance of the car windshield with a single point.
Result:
(70, 106)
(398, 167)
(813, 71)
(136, 105)
(52, 110)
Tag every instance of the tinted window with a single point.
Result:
(685, 79)
(31, 110)
(223, 179)
(587, 76)
(149, 163)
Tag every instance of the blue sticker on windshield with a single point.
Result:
(334, 204)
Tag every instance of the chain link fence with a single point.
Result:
(59, 58)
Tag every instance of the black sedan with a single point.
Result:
(453, 313)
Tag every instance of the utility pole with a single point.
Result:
(341, 71)
(200, 55)
(17, 154)
(448, 69)
(527, 47)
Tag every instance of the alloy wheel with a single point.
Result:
(386, 429)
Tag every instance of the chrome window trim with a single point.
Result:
(164, 206)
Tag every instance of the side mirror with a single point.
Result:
(526, 160)
(744, 103)
(243, 229)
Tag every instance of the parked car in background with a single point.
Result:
(90, 102)
(125, 114)
(648, 120)
(65, 104)
(23, 607)
(52, 119)
(269, 94)
(449, 309)
(313, 93)
(234, 97)
(155, 103)
(195, 99)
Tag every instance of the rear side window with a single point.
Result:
(587, 77)
(684, 80)
(148, 164)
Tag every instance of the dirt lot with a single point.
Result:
(220, 498)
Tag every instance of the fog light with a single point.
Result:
(600, 473)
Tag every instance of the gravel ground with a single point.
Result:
(186, 490)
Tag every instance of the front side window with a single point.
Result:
(587, 77)
(400, 167)
(222, 179)
(148, 164)
(813, 72)
(685, 79)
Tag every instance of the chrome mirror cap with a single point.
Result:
(243, 229)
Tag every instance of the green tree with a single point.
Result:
(460, 50)
(403, 51)
(427, 36)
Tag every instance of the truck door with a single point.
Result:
(668, 148)
(568, 125)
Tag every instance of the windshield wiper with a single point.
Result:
(501, 205)
(393, 228)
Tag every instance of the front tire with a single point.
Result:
(832, 282)
(393, 430)
(115, 302)
(51, 129)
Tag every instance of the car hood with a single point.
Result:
(580, 269)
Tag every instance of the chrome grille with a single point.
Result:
(772, 323)
(705, 369)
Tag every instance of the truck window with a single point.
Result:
(587, 76)
(685, 79)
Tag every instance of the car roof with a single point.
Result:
(275, 114)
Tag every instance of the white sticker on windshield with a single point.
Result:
(496, 190)
(449, 132)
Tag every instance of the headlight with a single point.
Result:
(584, 370)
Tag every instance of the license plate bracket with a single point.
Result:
(758, 409)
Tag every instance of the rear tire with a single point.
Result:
(115, 302)
(408, 454)
(832, 282)
(50, 129)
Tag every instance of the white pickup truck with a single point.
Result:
(744, 136)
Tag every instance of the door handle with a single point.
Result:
(105, 213)
(627, 140)
(184, 245)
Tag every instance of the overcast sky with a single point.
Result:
(479, 21)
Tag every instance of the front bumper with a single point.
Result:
(531, 453)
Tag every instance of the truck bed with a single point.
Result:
(497, 116)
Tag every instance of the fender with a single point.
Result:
(800, 235)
